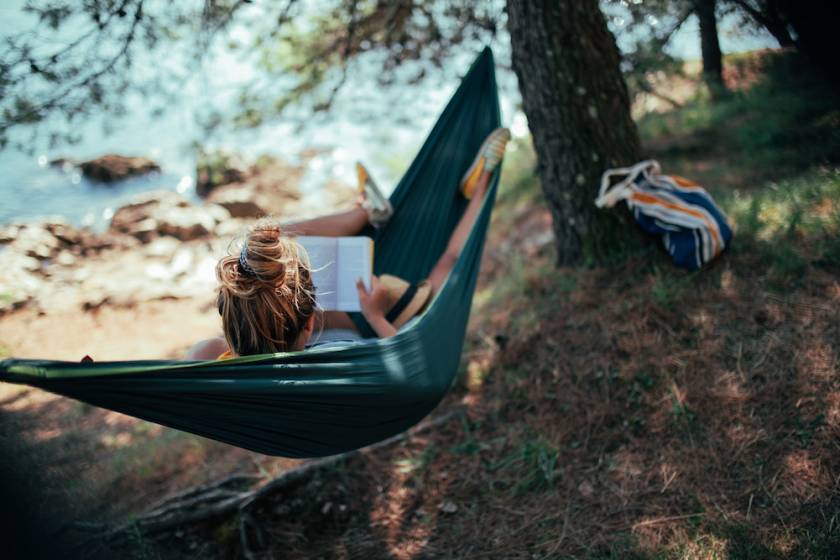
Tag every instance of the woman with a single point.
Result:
(267, 299)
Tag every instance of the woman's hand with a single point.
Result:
(375, 304)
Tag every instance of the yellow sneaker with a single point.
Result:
(487, 159)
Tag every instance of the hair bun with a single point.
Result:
(266, 293)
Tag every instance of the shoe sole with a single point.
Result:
(473, 173)
(368, 187)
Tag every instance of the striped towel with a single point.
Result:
(692, 227)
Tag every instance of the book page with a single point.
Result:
(355, 260)
(336, 263)
(323, 259)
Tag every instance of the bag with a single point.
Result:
(692, 227)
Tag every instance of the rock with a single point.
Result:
(241, 201)
(64, 232)
(145, 230)
(448, 507)
(218, 213)
(18, 283)
(185, 224)
(218, 168)
(162, 247)
(9, 233)
(29, 264)
(35, 240)
(230, 228)
(166, 213)
(136, 219)
(65, 258)
(10, 301)
(65, 164)
(114, 167)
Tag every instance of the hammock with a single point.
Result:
(321, 402)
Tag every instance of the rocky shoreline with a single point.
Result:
(158, 247)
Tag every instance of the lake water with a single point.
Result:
(31, 189)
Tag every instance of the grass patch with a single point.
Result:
(668, 286)
(416, 465)
(789, 225)
(534, 464)
(787, 121)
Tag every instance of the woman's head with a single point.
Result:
(266, 298)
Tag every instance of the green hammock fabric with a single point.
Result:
(326, 401)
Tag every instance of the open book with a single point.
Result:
(336, 264)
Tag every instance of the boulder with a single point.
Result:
(9, 233)
(36, 241)
(185, 224)
(166, 213)
(136, 218)
(64, 164)
(114, 167)
(242, 201)
(19, 284)
(218, 168)
(66, 233)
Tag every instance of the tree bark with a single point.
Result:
(710, 47)
(578, 111)
(768, 16)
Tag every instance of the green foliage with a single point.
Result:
(684, 419)
(624, 546)
(744, 544)
(790, 225)
(643, 382)
(416, 465)
(214, 168)
(470, 444)
(806, 429)
(786, 122)
(668, 286)
(534, 462)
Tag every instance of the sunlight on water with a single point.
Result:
(32, 188)
(185, 184)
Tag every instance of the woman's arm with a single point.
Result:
(375, 306)
(208, 349)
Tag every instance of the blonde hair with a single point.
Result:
(266, 295)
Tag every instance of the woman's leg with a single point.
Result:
(459, 236)
(340, 224)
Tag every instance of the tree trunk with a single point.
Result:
(768, 15)
(814, 24)
(710, 47)
(578, 111)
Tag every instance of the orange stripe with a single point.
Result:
(648, 199)
(683, 182)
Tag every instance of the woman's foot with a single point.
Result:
(376, 204)
(488, 158)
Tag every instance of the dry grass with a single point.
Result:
(612, 425)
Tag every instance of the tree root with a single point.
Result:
(234, 495)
